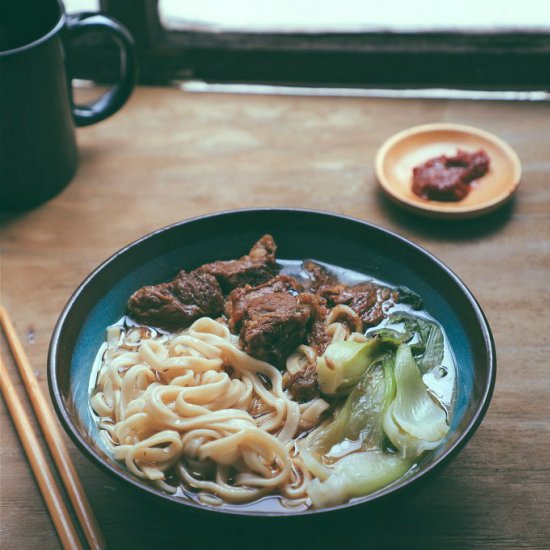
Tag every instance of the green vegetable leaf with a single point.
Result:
(343, 363)
(392, 335)
(408, 296)
(362, 415)
(413, 422)
(356, 475)
(368, 403)
(430, 347)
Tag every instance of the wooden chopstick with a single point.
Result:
(39, 465)
(54, 439)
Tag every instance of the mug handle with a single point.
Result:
(114, 98)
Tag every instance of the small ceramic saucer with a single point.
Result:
(398, 156)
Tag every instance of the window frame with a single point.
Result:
(481, 61)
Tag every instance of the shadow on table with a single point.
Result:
(447, 230)
(86, 156)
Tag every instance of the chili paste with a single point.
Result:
(448, 178)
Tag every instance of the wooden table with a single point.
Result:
(168, 156)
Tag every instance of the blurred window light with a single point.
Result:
(75, 6)
(346, 16)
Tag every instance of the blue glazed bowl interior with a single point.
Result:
(101, 299)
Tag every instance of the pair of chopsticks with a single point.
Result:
(61, 518)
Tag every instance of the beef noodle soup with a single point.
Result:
(268, 383)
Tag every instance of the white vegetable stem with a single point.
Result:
(356, 475)
(414, 422)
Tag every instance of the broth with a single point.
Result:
(440, 383)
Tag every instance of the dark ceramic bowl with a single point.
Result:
(353, 244)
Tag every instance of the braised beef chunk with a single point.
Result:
(333, 293)
(273, 318)
(319, 275)
(273, 326)
(317, 336)
(239, 299)
(175, 305)
(369, 300)
(257, 267)
(303, 385)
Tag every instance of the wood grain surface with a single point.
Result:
(168, 156)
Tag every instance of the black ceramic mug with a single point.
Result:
(38, 154)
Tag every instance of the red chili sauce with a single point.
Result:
(448, 178)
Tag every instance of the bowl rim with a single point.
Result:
(65, 417)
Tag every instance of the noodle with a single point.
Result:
(195, 404)
(192, 409)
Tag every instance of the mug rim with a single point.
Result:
(44, 38)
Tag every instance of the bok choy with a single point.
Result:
(344, 362)
(355, 475)
(429, 347)
(388, 406)
(362, 415)
(413, 422)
